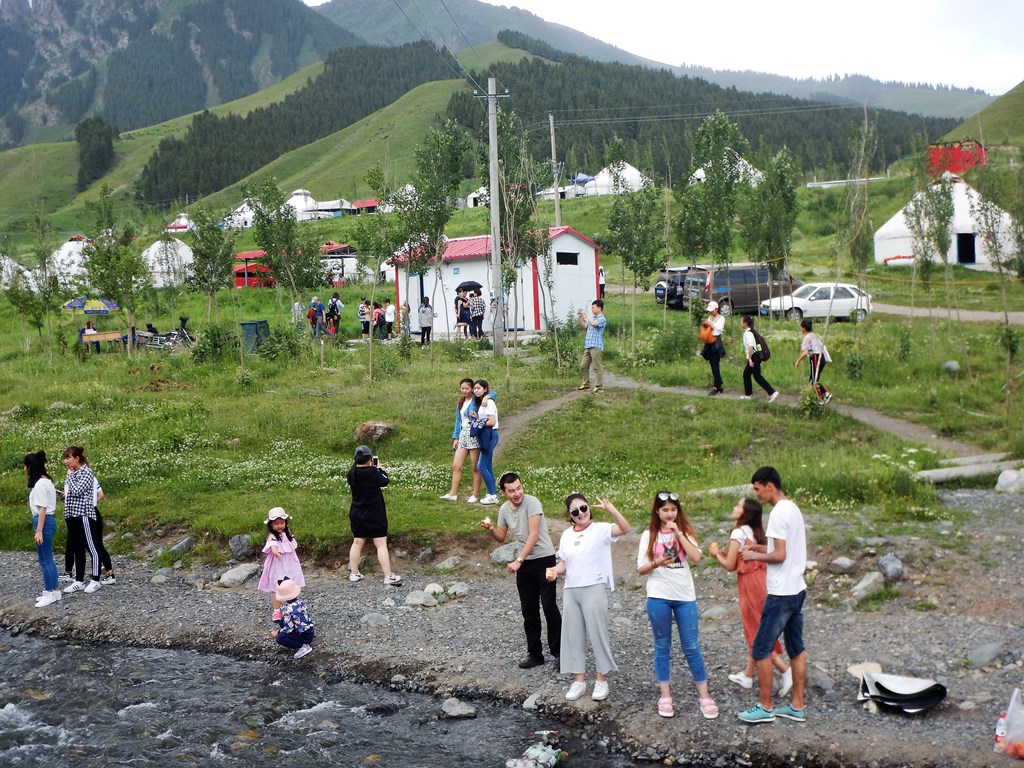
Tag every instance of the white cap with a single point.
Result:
(712, 306)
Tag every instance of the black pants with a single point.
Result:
(96, 537)
(714, 360)
(536, 592)
(295, 640)
(754, 371)
(425, 334)
(476, 326)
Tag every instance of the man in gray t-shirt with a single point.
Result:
(524, 517)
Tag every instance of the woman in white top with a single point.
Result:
(485, 414)
(715, 351)
(463, 444)
(667, 548)
(752, 370)
(42, 501)
(585, 557)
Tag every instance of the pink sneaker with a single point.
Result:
(665, 707)
(709, 709)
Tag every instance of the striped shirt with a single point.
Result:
(80, 494)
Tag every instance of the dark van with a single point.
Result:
(736, 287)
(669, 287)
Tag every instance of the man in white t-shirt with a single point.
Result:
(524, 517)
(786, 557)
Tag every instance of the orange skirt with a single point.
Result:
(753, 589)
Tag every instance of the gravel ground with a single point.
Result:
(953, 601)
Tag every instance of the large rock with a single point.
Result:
(453, 708)
(421, 598)
(372, 431)
(843, 565)
(870, 585)
(891, 567)
(1010, 481)
(240, 546)
(449, 563)
(951, 367)
(506, 553)
(183, 546)
(237, 576)
(984, 655)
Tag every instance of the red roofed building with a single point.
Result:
(572, 259)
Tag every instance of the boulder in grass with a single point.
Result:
(372, 431)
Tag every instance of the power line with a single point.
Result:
(464, 75)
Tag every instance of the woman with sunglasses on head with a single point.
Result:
(667, 548)
(585, 557)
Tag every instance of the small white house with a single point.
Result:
(572, 259)
(170, 261)
(894, 243)
(630, 180)
(240, 218)
(478, 198)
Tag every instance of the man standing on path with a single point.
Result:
(523, 515)
(594, 323)
(786, 556)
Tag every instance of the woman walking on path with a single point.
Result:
(80, 515)
(585, 557)
(714, 349)
(42, 502)
(667, 548)
(811, 347)
(753, 367)
(368, 516)
(464, 444)
(485, 415)
(752, 585)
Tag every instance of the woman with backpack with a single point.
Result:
(756, 350)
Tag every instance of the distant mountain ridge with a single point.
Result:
(139, 62)
(478, 22)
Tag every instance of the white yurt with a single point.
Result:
(170, 261)
(68, 261)
(630, 180)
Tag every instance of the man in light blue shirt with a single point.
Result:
(594, 323)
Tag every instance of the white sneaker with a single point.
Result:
(355, 576)
(472, 500)
(92, 586)
(107, 578)
(742, 680)
(489, 499)
(305, 650)
(394, 580)
(48, 598)
(74, 586)
(746, 397)
(65, 578)
(787, 682)
(450, 497)
(576, 690)
(774, 396)
(600, 690)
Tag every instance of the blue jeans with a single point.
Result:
(44, 551)
(782, 615)
(485, 463)
(684, 612)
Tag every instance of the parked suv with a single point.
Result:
(736, 287)
(670, 286)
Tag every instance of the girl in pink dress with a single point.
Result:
(281, 562)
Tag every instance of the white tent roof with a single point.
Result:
(894, 244)
(604, 183)
(68, 261)
(170, 260)
(747, 172)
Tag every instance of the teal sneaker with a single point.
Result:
(789, 713)
(758, 714)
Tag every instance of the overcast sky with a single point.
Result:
(968, 44)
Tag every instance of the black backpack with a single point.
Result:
(762, 347)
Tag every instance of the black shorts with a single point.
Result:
(363, 528)
(366, 326)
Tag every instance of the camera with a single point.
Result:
(375, 460)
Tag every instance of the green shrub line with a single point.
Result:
(207, 440)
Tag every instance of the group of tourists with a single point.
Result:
(474, 437)
(769, 564)
(755, 352)
(470, 310)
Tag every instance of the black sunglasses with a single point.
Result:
(665, 496)
(582, 509)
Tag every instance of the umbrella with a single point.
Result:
(91, 306)
(468, 285)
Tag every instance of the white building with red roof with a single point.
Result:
(531, 304)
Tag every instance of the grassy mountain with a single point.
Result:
(997, 124)
(138, 62)
(477, 23)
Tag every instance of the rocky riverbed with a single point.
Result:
(958, 618)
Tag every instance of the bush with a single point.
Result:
(855, 365)
(282, 344)
(214, 343)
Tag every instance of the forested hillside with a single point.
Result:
(218, 151)
(656, 112)
(139, 62)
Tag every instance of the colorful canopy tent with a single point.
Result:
(87, 306)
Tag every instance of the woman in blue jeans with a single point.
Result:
(486, 414)
(42, 502)
(666, 549)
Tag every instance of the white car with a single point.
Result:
(837, 300)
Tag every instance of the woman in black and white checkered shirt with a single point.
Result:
(81, 518)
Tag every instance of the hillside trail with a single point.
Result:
(905, 430)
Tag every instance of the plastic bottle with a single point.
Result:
(1000, 733)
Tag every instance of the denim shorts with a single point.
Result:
(782, 615)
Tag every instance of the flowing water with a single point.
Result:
(66, 705)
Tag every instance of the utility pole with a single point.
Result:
(554, 171)
(495, 202)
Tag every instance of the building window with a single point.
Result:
(562, 257)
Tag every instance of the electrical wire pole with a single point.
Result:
(495, 202)
(554, 172)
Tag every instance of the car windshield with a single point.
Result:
(805, 290)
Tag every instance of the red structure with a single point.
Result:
(957, 157)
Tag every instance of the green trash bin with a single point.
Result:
(250, 337)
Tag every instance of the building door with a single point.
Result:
(965, 248)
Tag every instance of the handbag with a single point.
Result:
(707, 334)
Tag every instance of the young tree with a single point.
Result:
(114, 265)
(212, 257)
(929, 216)
(37, 294)
(291, 253)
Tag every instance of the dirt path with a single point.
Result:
(903, 429)
(941, 313)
